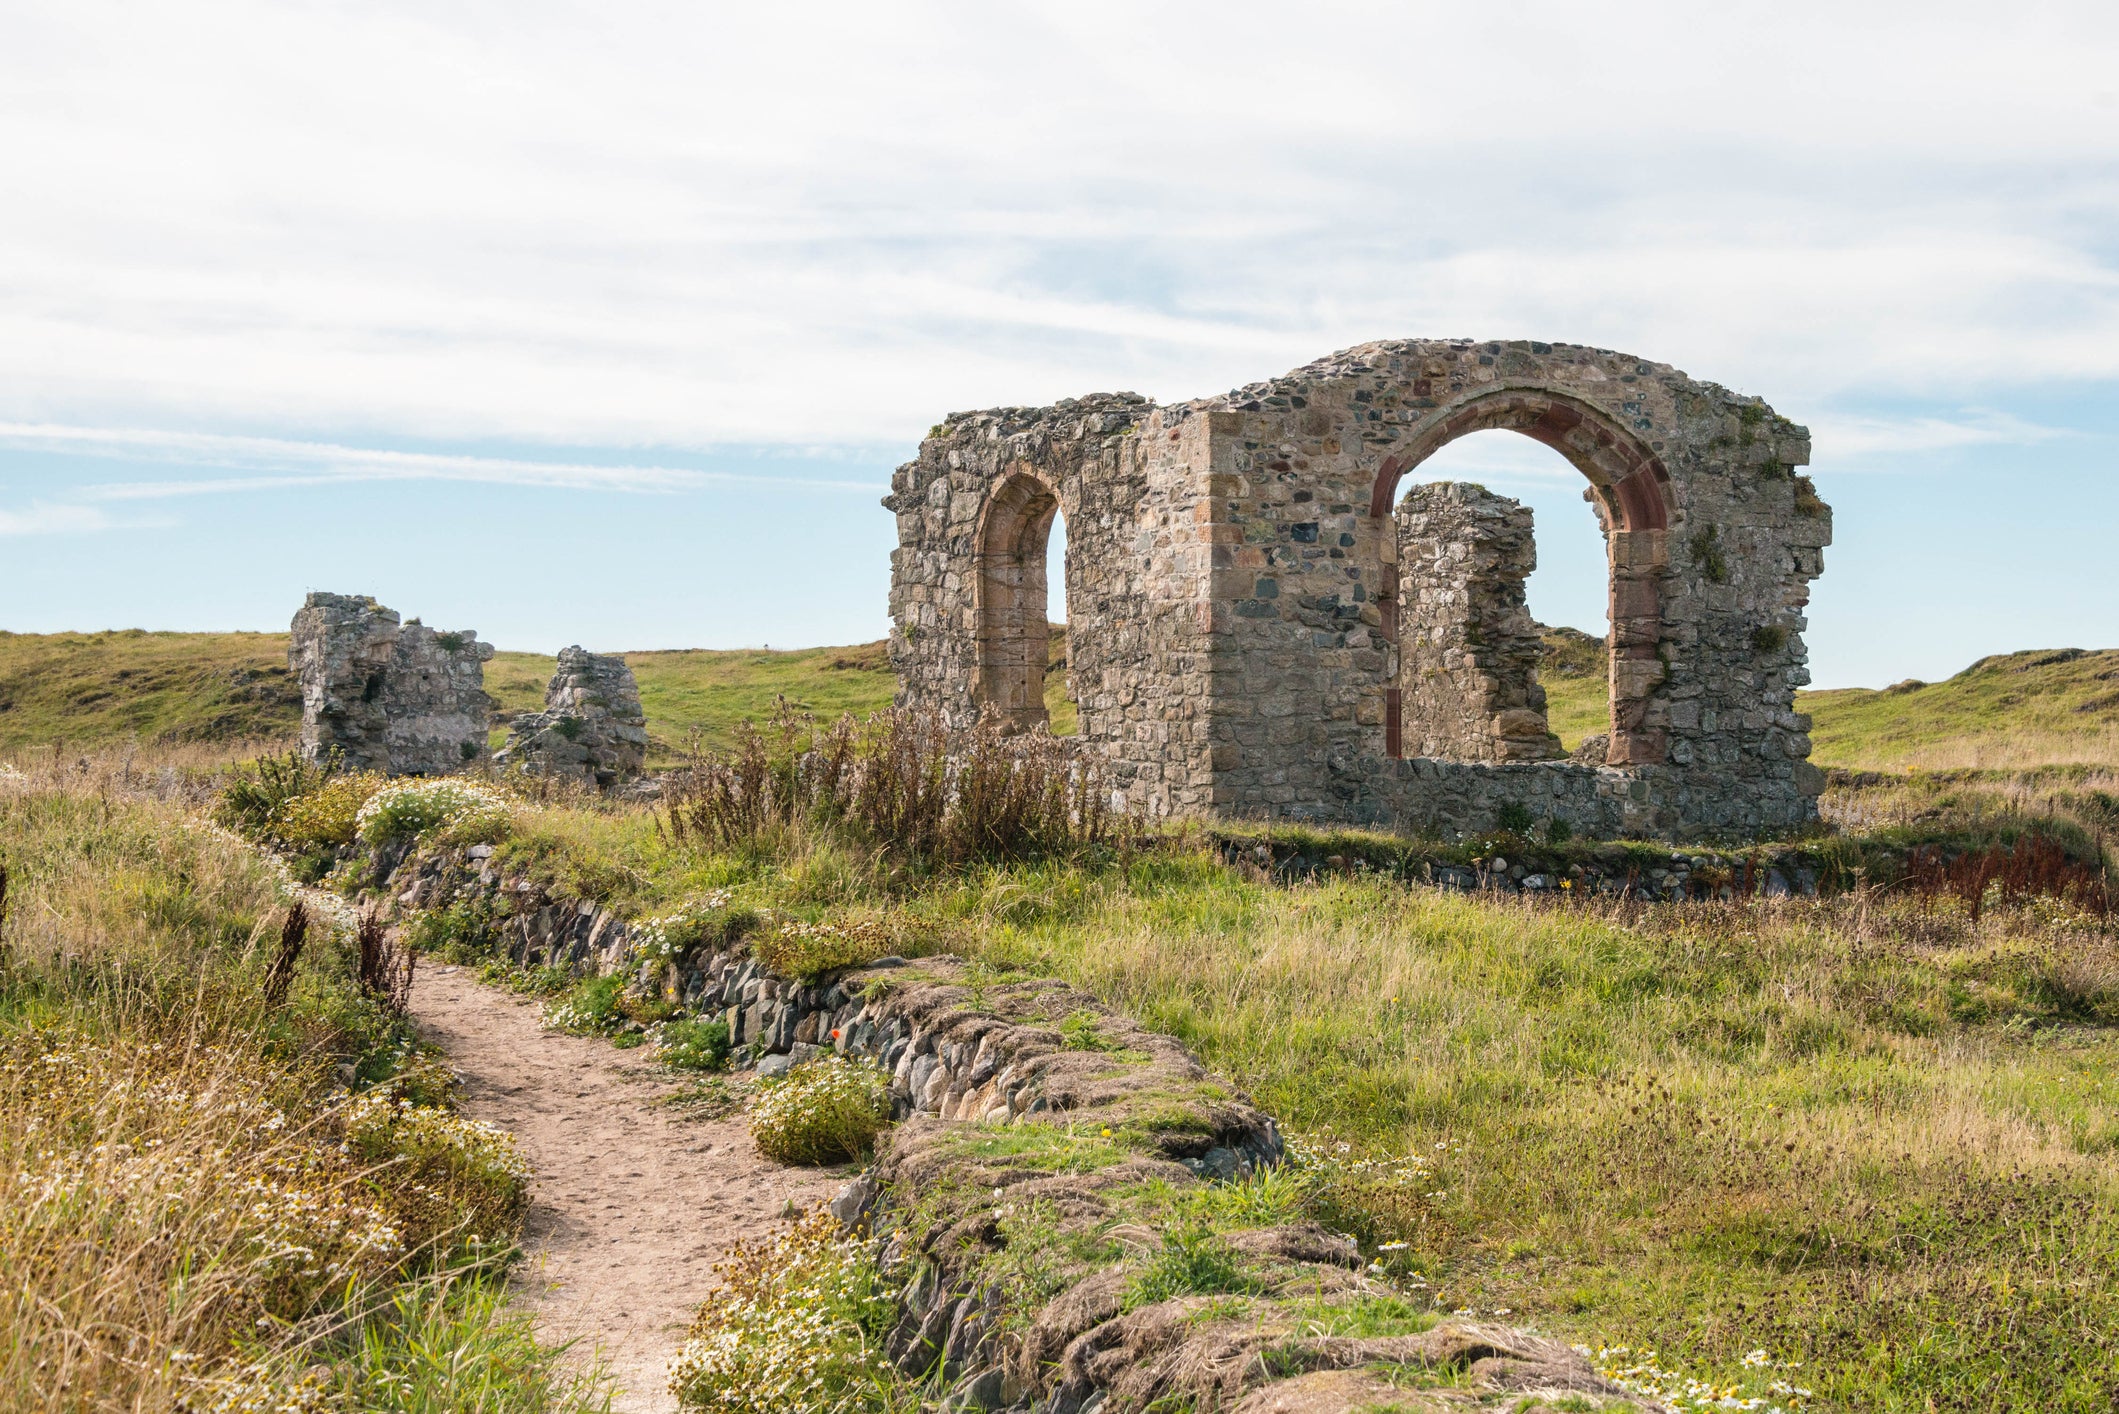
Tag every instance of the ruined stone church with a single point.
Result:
(1259, 625)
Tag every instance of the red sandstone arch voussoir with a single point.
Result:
(1613, 458)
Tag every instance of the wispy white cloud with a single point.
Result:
(279, 463)
(609, 226)
(42, 518)
(1855, 438)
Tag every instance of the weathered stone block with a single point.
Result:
(592, 727)
(387, 696)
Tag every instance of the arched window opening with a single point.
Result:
(1021, 570)
(1565, 588)
(1061, 714)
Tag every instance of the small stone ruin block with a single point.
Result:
(399, 698)
(592, 727)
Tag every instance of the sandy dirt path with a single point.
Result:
(631, 1205)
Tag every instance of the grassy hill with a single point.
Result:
(1577, 686)
(712, 692)
(88, 690)
(97, 689)
(2013, 711)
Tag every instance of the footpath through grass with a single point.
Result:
(234, 1183)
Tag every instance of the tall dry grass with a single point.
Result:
(2031, 750)
(190, 773)
(899, 784)
(198, 1214)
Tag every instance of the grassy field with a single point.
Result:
(711, 693)
(200, 1214)
(101, 689)
(1577, 685)
(95, 689)
(2011, 712)
(1874, 1137)
(2008, 713)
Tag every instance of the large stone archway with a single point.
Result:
(1635, 502)
(1233, 586)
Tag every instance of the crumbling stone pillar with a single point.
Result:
(1468, 647)
(592, 727)
(399, 698)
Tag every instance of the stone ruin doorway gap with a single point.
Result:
(1630, 489)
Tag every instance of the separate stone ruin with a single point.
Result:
(592, 727)
(1467, 647)
(1256, 630)
(399, 698)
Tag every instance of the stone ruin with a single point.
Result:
(1468, 648)
(398, 698)
(1258, 627)
(592, 727)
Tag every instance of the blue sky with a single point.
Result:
(606, 323)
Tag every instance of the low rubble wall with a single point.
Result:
(1525, 867)
(987, 1063)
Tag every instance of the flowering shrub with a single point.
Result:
(453, 812)
(1384, 1200)
(1636, 1372)
(821, 1112)
(807, 951)
(451, 1179)
(330, 814)
(165, 1191)
(798, 1323)
(605, 1006)
(251, 802)
(460, 933)
(693, 1045)
(711, 918)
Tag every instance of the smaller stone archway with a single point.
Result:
(1635, 502)
(1009, 600)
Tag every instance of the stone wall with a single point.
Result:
(972, 511)
(399, 698)
(1467, 647)
(592, 727)
(1233, 591)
